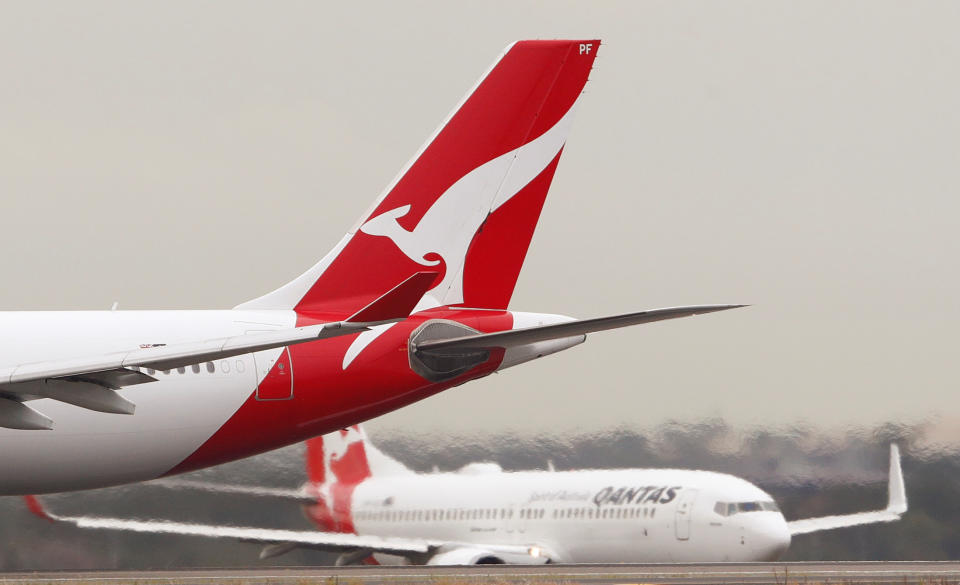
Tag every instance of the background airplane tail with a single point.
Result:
(336, 464)
(467, 204)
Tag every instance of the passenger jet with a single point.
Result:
(370, 507)
(412, 301)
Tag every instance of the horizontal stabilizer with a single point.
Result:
(89, 382)
(397, 303)
(896, 506)
(114, 370)
(516, 337)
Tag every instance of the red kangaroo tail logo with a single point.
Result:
(336, 464)
(469, 200)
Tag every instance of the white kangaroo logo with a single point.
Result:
(448, 227)
(386, 224)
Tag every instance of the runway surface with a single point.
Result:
(927, 573)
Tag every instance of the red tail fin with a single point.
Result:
(336, 464)
(468, 203)
(316, 463)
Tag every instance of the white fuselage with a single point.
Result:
(579, 516)
(215, 411)
(173, 417)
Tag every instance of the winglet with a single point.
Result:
(896, 506)
(398, 302)
(36, 508)
(896, 492)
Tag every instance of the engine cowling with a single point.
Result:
(466, 556)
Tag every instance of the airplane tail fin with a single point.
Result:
(336, 464)
(347, 457)
(468, 202)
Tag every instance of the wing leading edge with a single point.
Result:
(352, 547)
(268, 536)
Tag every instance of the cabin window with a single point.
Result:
(732, 508)
(195, 368)
(210, 367)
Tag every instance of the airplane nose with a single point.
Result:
(770, 536)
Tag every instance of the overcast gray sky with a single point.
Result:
(802, 157)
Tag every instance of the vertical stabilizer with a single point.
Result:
(347, 456)
(336, 464)
(468, 203)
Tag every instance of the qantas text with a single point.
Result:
(636, 495)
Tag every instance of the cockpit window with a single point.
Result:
(731, 508)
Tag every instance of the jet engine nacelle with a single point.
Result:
(466, 556)
(494, 555)
(438, 365)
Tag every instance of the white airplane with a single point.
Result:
(412, 301)
(370, 507)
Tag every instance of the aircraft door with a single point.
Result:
(684, 513)
(275, 374)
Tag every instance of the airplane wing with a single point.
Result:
(268, 536)
(352, 547)
(516, 337)
(91, 382)
(896, 506)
